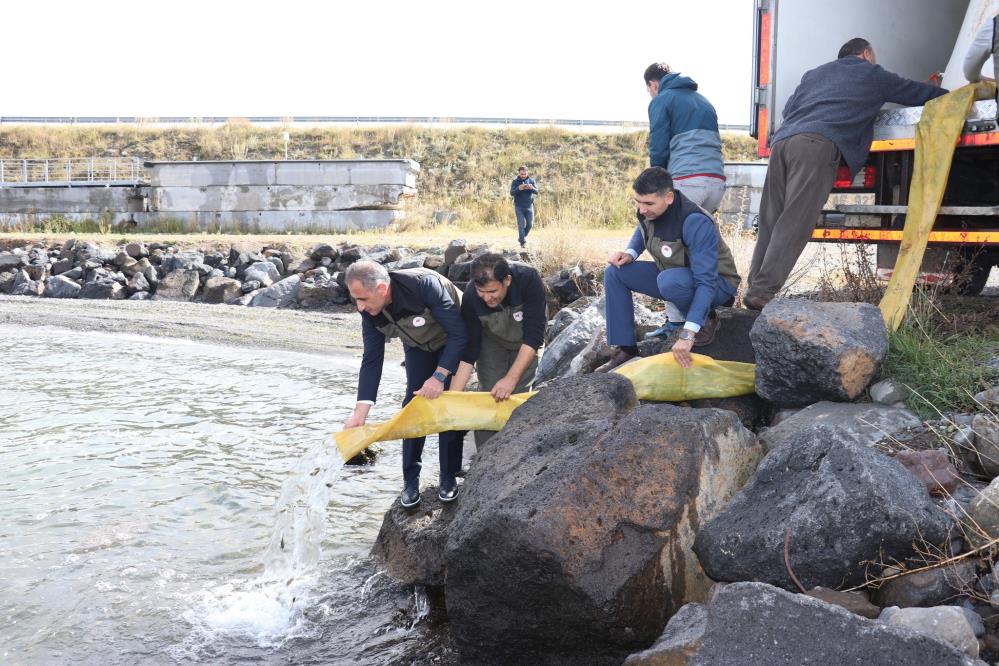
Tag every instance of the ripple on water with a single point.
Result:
(141, 479)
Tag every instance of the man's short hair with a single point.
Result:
(854, 47)
(656, 71)
(654, 180)
(489, 267)
(522, 167)
(368, 273)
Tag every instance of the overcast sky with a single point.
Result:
(545, 59)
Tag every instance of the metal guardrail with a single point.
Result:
(460, 120)
(72, 171)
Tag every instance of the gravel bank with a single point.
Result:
(332, 333)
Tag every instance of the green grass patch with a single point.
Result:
(943, 369)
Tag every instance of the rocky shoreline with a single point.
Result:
(273, 277)
(793, 526)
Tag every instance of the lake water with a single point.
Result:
(142, 482)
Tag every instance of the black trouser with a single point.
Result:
(419, 366)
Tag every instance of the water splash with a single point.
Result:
(269, 610)
(421, 605)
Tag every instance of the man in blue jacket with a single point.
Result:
(692, 268)
(423, 309)
(829, 116)
(523, 190)
(683, 136)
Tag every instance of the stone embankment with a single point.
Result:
(271, 277)
(794, 526)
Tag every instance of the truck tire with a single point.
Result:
(971, 277)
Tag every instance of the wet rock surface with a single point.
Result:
(411, 542)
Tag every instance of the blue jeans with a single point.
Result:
(675, 285)
(419, 366)
(525, 220)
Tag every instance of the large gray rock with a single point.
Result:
(844, 504)
(222, 290)
(179, 285)
(680, 639)
(10, 260)
(411, 543)
(7, 281)
(263, 272)
(136, 250)
(753, 623)
(944, 623)
(861, 423)
(556, 361)
(103, 289)
(321, 291)
(808, 351)
(986, 443)
(61, 287)
(182, 261)
(61, 266)
(584, 523)
(23, 285)
(279, 295)
(927, 588)
(454, 249)
(981, 524)
(323, 251)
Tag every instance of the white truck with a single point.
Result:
(915, 39)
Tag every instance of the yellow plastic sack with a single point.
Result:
(657, 377)
(661, 378)
(937, 134)
(421, 417)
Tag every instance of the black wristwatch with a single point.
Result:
(685, 334)
(439, 376)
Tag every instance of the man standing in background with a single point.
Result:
(522, 189)
(683, 136)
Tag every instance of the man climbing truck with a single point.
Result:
(965, 239)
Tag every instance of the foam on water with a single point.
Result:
(269, 609)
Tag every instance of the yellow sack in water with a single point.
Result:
(421, 417)
(661, 378)
(657, 377)
(937, 134)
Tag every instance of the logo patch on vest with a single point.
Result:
(518, 316)
(666, 250)
(419, 321)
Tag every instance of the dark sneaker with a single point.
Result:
(755, 302)
(706, 335)
(619, 357)
(410, 497)
(448, 491)
(665, 331)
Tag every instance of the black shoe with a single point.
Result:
(619, 357)
(448, 492)
(410, 496)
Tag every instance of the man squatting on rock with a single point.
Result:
(692, 268)
(830, 115)
(684, 140)
(422, 308)
(504, 311)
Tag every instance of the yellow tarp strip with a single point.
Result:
(655, 378)
(937, 133)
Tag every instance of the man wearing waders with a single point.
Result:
(421, 308)
(692, 268)
(504, 311)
